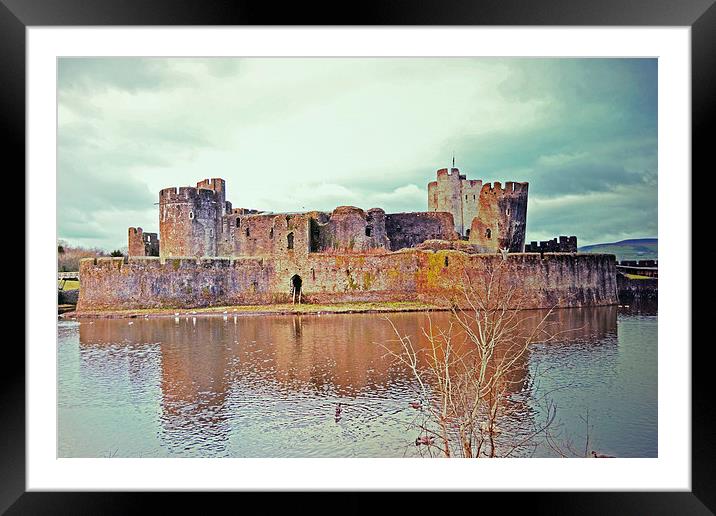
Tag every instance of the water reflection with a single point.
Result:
(268, 385)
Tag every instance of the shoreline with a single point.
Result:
(278, 309)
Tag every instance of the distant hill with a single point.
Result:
(633, 249)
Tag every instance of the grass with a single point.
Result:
(69, 284)
(636, 276)
(358, 307)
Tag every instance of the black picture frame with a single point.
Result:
(17, 15)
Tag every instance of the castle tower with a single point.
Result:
(140, 243)
(501, 221)
(455, 194)
(218, 185)
(190, 219)
(135, 242)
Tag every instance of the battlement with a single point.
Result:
(516, 187)
(185, 194)
(215, 183)
(245, 211)
(638, 263)
(511, 187)
(452, 173)
(563, 245)
(104, 262)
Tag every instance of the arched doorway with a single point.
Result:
(296, 283)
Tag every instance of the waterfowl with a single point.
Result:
(338, 410)
(416, 404)
(601, 455)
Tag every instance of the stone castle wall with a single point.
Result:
(562, 280)
(266, 234)
(565, 244)
(411, 229)
(349, 230)
(345, 230)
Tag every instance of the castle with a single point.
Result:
(200, 222)
(209, 253)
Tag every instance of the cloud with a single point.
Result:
(312, 133)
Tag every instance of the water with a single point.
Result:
(268, 386)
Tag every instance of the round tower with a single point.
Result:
(189, 221)
(501, 220)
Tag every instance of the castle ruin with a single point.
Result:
(200, 222)
(209, 253)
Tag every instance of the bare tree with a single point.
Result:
(473, 367)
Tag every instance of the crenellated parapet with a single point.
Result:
(561, 244)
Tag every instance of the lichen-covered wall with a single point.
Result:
(501, 221)
(410, 229)
(562, 280)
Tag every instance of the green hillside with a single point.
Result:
(633, 249)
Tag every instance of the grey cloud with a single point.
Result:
(625, 213)
(588, 147)
(125, 73)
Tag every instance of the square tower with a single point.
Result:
(455, 194)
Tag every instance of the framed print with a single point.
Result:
(298, 256)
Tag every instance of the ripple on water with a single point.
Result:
(269, 386)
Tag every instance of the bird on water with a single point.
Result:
(601, 455)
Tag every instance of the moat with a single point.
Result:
(268, 385)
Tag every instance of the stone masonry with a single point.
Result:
(210, 253)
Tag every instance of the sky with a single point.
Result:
(294, 134)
